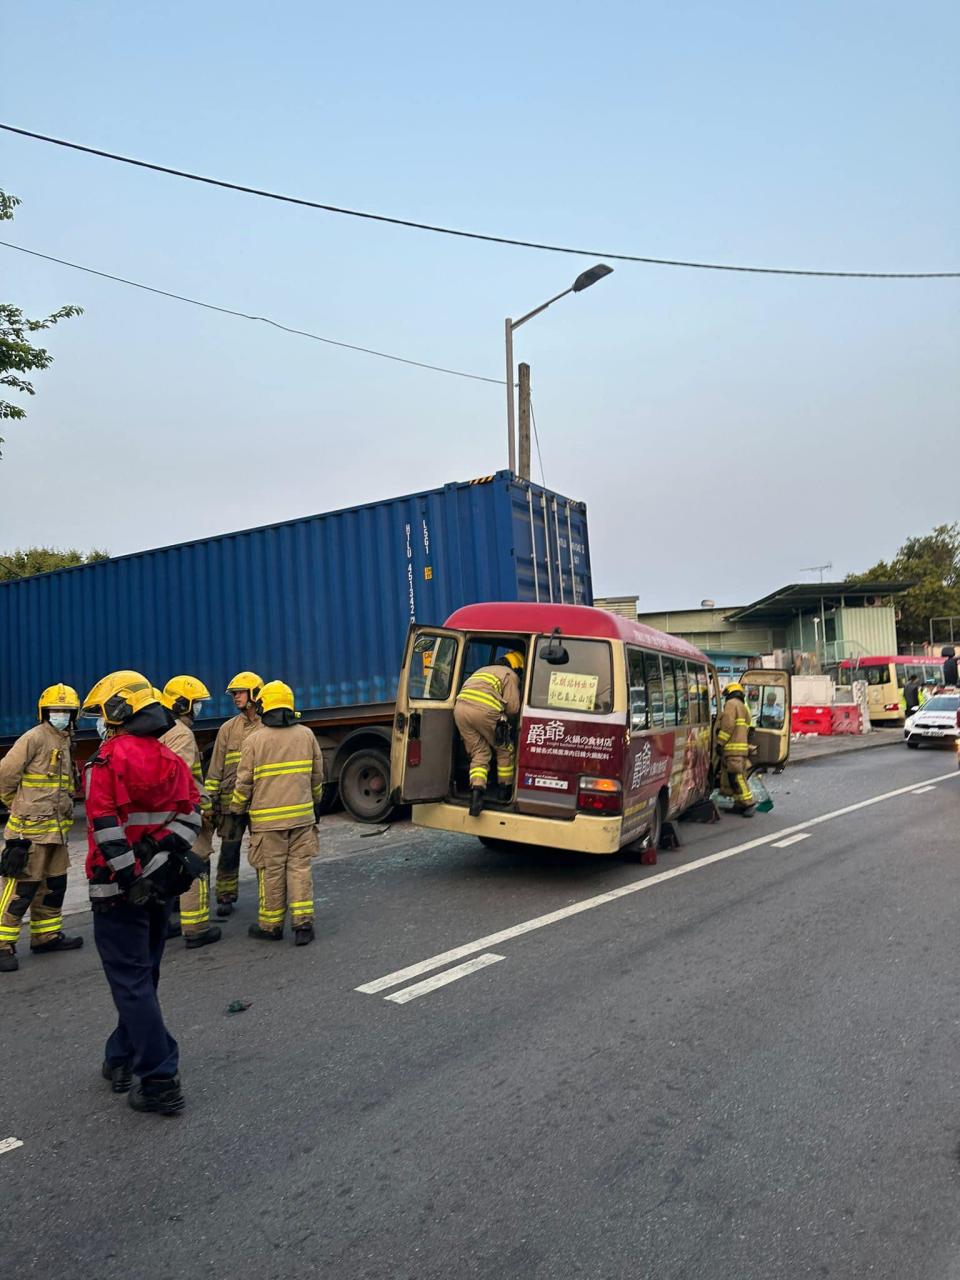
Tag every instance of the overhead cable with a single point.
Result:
(243, 315)
(477, 235)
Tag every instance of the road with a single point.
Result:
(749, 1069)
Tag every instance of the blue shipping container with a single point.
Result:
(322, 602)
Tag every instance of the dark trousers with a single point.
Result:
(228, 867)
(130, 941)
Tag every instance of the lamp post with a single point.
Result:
(583, 281)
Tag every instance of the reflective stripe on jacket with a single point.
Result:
(733, 728)
(36, 783)
(279, 777)
(222, 770)
(494, 687)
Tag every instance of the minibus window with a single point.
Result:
(877, 675)
(583, 683)
(683, 702)
(638, 690)
(431, 667)
(693, 696)
(669, 692)
(703, 689)
(654, 690)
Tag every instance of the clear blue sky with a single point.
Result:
(821, 135)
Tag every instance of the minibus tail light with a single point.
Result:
(414, 752)
(599, 795)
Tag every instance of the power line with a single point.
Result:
(477, 235)
(536, 436)
(242, 315)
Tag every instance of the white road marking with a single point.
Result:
(9, 1144)
(441, 979)
(923, 790)
(785, 844)
(635, 886)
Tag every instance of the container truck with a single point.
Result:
(323, 602)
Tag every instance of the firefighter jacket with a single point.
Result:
(182, 742)
(36, 784)
(495, 688)
(136, 787)
(279, 778)
(222, 770)
(733, 728)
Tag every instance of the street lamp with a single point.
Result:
(583, 281)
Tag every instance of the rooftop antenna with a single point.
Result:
(818, 568)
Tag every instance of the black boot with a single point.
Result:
(121, 1077)
(303, 934)
(157, 1093)
(225, 909)
(8, 961)
(211, 934)
(476, 802)
(268, 935)
(505, 792)
(59, 942)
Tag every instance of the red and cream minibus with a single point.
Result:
(615, 733)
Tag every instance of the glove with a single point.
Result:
(140, 891)
(317, 810)
(14, 858)
(501, 734)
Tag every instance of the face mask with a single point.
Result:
(197, 707)
(101, 726)
(60, 720)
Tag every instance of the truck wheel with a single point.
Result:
(365, 786)
(328, 798)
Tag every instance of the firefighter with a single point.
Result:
(244, 688)
(278, 787)
(183, 697)
(483, 703)
(36, 784)
(143, 816)
(733, 739)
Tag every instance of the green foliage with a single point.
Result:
(25, 562)
(933, 560)
(18, 356)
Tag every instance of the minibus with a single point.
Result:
(885, 678)
(615, 734)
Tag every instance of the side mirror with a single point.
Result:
(554, 653)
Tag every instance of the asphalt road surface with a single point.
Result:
(747, 1069)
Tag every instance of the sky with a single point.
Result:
(726, 431)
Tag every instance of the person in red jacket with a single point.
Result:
(143, 816)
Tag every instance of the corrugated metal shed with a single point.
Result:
(322, 602)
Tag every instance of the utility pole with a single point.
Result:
(524, 415)
(511, 430)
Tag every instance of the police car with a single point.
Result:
(935, 721)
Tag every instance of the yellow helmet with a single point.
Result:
(733, 687)
(59, 697)
(274, 695)
(245, 682)
(119, 696)
(181, 692)
(514, 659)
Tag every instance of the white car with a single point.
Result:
(935, 721)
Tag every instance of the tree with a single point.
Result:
(18, 356)
(933, 561)
(23, 563)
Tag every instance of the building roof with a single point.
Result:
(800, 596)
(573, 620)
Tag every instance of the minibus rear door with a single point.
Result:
(421, 749)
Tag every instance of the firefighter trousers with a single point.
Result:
(130, 941)
(733, 779)
(195, 903)
(284, 879)
(228, 865)
(39, 889)
(477, 727)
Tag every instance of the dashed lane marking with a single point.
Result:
(785, 844)
(9, 1144)
(441, 979)
(635, 886)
